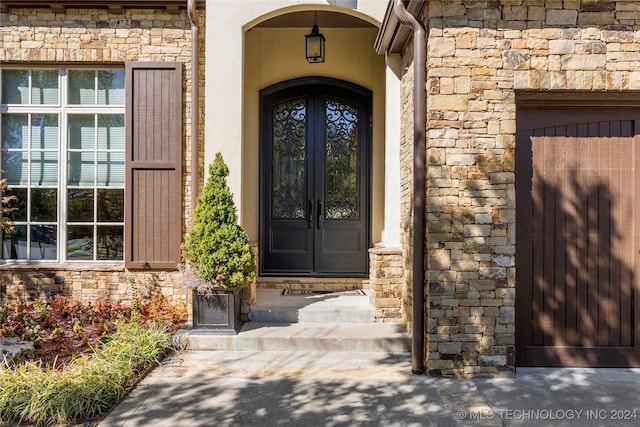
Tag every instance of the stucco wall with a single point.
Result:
(273, 55)
(232, 55)
(479, 54)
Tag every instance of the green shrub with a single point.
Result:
(89, 386)
(216, 248)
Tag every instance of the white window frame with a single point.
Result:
(63, 110)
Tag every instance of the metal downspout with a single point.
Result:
(195, 98)
(419, 153)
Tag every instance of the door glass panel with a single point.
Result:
(341, 161)
(288, 193)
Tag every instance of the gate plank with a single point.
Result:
(560, 291)
(571, 250)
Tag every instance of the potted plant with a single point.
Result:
(218, 260)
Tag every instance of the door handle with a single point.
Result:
(319, 213)
(310, 213)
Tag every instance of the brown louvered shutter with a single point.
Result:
(153, 224)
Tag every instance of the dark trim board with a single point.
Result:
(115, 6)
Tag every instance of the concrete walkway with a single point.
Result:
(215, 388)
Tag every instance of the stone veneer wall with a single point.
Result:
(406, 184)
(480, 52)
(89, 284)
(386, 274)
(96, 36)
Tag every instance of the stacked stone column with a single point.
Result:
(480, 53)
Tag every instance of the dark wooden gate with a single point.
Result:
(577, 236)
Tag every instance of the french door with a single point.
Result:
(314, 192)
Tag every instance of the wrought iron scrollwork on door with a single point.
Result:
(289, 160)
(341, 161)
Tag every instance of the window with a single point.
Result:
(62, 133)
(76, 148)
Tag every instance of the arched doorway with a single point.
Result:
(315, 144)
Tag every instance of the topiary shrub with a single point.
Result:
(217, 249)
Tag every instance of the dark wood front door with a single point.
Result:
(314, 193)
(577, 237)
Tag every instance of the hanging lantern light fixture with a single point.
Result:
(315, 44)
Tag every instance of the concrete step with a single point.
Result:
(311, 283)
(308, 337)
(313, 323)
(333, 307)
(289, 364)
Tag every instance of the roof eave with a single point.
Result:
(392, 36)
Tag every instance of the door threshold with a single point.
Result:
(313, 283)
